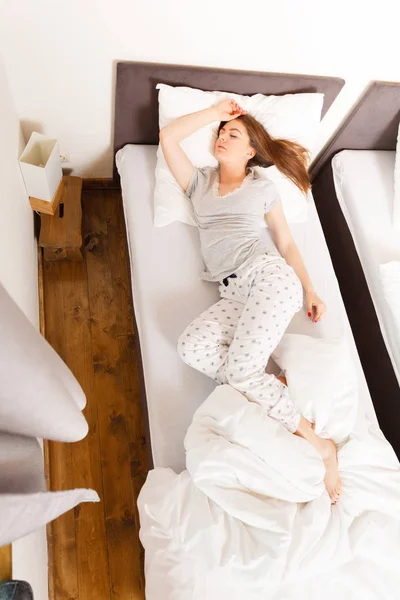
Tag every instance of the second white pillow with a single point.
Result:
(390, 280)
(396, 199)
(322, 382)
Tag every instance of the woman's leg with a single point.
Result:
(273, 295)
(205, 342)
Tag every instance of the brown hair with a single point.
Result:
(289, 157)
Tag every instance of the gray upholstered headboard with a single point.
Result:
(371, 125)
(136, 97)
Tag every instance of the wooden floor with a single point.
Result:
(94, 550)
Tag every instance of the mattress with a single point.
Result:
(168, 294)
(367, 205)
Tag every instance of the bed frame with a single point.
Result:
(371, 125)
(136, 115)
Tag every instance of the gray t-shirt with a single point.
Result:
(229, 225)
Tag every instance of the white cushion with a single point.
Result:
(21, 465)
(396, 200)
(390, 279)
(293, 116)
(39, 396)
(322, 382)
(25, 504)
(23, 513)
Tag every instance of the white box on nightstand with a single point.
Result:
(40, 165)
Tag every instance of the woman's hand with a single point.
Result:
(315, 307)
(228, 110)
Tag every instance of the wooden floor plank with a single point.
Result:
(5, 563)
(137, 447)
(119, 262)
(79, 552)
(109, 324)
(95, 549)
(92, 554)
(64, 575)
(129, 377)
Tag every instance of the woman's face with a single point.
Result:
(232, 146)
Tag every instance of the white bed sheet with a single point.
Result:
(168, 293)
(364, 184)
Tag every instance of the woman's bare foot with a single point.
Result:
(332, 480)
(328, 452)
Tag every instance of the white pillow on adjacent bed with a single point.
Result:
(390, 279)
(294, 117)
(322, 381)
(396, 199)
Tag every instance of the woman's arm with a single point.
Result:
(182, 127)
(286, 245)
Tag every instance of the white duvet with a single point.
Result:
(250, 518)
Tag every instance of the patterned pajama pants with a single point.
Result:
(233, 340)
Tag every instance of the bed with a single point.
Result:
(248, 516)
(370, 224)
(165, 262)
(356, 215)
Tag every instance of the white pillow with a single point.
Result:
(294, 117)
(21, 465)
(396, 200)
(39, 396)
(390, 279)
(322, 382)
(23, 513)
(25, 504)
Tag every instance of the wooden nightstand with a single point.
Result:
(61, 233)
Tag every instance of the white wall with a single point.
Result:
(59, 55)
(18, 258)
(18, 273)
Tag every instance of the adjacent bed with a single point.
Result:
(353, 188)
(367, 204)
(165, 262)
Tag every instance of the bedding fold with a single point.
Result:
(250, 516)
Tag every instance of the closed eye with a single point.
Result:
(234, 136)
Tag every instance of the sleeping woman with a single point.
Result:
(260, 290)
